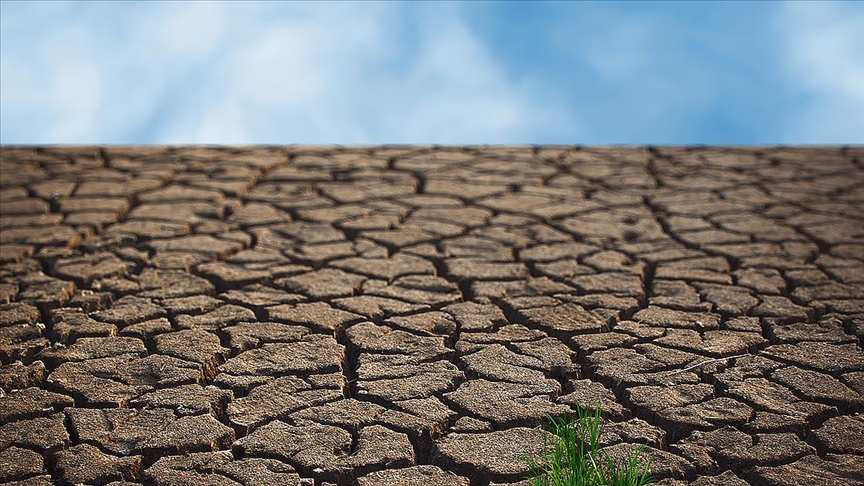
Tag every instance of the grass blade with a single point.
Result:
(573, 458)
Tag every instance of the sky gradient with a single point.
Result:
(447, 73)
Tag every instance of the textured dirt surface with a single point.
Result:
(410, 315)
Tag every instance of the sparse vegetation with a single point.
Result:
(573, 458)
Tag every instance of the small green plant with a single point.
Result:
(573, 457)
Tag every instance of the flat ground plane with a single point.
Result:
(405, 315)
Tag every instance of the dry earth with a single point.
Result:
(410, 315)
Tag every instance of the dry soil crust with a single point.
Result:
(410, 315)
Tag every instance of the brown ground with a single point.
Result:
(410, 315)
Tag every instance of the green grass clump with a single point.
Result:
(572, 459)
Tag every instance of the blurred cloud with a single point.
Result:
(824, 59)
(256, 73)
(584, 72)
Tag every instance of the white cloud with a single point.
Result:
(201, 72)
(274, 72)
(456, 91)
(824, 58)
(60, 102)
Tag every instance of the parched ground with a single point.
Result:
(411, 315)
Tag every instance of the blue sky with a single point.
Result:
(483, 72)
